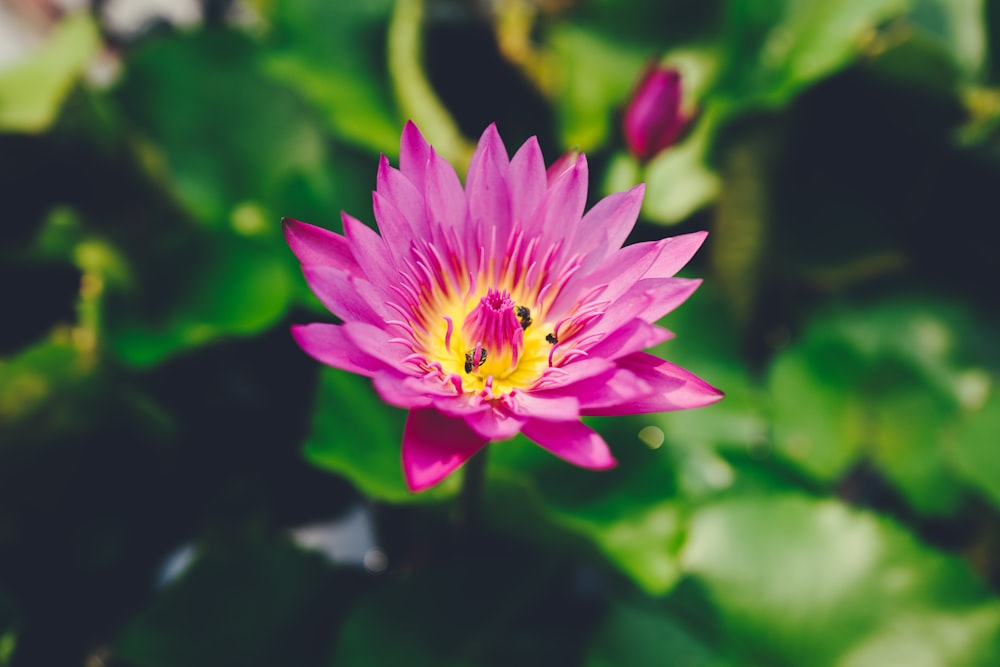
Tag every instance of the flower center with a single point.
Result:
(498, 348)
(496, 332)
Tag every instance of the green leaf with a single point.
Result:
(882, 382)
(195, 292)
(975, 452)
(333, 54)
(246, 140)
(639, 636)
(779, 48)
(799, 581)
(356, 435)
(32, 91)
(595, 78)
(629, 514)
(957, 27)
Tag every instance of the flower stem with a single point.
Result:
(470, 496)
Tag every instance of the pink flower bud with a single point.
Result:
(653, 119)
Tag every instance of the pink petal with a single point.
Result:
(548, 407)
(404, 391)
(571, 441)
(434, 446)
(370, 251)
(526, 180)
(675, 252)
(490, 149)
(573, 372)
(394, 227)
(634, 336)
(558, 214)
(375, 341)
(329, 344)
(413, 154)
(404, 196)
(444, 198)
(315, 245)
(486, 191)
(648, 299)
(605, 227)
(347, 297)
(674, 388)
(494, 423)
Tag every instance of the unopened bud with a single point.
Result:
(653, 119)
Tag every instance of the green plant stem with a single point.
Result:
(470, 496)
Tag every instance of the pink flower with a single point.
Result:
(653, 119)
(499, 307)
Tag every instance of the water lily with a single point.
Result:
(499, 307)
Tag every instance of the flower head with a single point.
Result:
(653, 119)
(499, 307)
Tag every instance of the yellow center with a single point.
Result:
(456, 352)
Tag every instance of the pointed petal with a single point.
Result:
(401, 193)
(489, 149)
(486, 191)
(370, 251)
(558, 214)
(395, 229)
(547, 407)
(444, 199)
(676, 251)
(571, 441)
(434, 446)
(648, 300)
(606, 226)
(674, 388)
(347, 297)
(634, 336)
(315, 245)
(494, 423)
(526, 180)
(328, 344)
(413, 154)
(404, 391)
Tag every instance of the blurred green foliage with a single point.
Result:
(840, 507)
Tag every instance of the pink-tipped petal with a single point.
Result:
(494, 423)
(674, 388)
(648, 300)
(393, 226)
(434, 446)
(490, 148)
(571, 441)
(549, 407)
(634, 336)
(328, 344)
(413, 154)
(347, 297)
(315, 245)
(403, 391)
(526, 180)
(558, 214)
(606, 226)
(397, 189)
(370, 251)
(489, 203)
(444, 198)
(675, 252)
